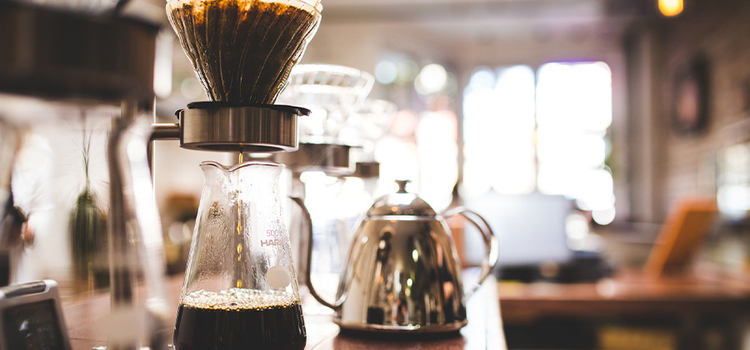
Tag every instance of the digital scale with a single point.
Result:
(31, 317)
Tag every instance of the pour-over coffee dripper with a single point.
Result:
(244, 50)
(332, 92)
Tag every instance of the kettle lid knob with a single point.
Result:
(402, 185)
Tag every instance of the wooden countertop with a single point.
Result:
(625, 294)
(484, 330)
(629, 294)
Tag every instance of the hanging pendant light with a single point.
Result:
(671, 8)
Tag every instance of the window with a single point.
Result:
(499, 131)
(545, 131)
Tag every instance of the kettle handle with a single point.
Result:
(308, 270)
(490, 243)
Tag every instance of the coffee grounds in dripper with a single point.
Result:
(243, 50)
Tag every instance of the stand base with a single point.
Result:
(332, 159)
(232, 127)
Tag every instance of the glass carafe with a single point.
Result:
(240, 289)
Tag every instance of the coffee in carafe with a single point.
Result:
(240, 289)
(233, 321)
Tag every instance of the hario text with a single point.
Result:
(269, 242)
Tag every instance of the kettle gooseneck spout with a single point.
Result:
(308, 271)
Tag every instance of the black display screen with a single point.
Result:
(33, 326)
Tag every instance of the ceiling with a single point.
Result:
(461, 20)
(489, 20)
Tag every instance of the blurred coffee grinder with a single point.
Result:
(76, 106)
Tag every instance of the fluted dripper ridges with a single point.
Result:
(243, 50)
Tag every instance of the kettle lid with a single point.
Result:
(401, 203)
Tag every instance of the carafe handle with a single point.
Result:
(308, 270)
(490, 243)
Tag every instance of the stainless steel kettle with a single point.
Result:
(402, 274)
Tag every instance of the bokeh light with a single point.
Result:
(432, 78)
(386, 72)
(671, 8)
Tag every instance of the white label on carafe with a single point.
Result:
(278, 276)
(273, 238)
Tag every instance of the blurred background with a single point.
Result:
(584, 131)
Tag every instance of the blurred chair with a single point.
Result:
(687, 223)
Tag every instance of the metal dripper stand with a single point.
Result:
(332, 93)
(56, 63)
(234, 127)
(329, 158)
